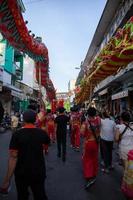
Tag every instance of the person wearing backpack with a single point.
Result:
(124, 135)
(90, 130)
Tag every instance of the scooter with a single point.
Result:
(5, 125)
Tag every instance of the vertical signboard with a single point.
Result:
(9, 61)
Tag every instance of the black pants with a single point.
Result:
(106, 148)
(36, 186)
(61, 144)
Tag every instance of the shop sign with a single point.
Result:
(17, 94)
(120, 95)
(62, 95)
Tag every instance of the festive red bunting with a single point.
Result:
(53, 105)
(60, 103)
(116, 54)
(13, 28)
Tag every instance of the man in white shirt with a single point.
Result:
(107, 136)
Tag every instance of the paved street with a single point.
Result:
(65, 180)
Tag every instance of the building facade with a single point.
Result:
(17, 79)
(114, 93)
(11, 68)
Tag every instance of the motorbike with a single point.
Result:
(5, 124)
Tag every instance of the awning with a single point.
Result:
(17, 94)
(11, 87)
(125, 75)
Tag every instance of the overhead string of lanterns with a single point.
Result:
(14, 29)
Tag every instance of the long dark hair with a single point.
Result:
(126, 116)
(91, 112)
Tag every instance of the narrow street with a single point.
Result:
(72, 63)
(65, 180)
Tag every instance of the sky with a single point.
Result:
(67, 28)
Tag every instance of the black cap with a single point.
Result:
(61, 109)
(91, 111)
(29, 116)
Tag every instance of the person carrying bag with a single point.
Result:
(126, 153)
(93, 129)
(90, 146)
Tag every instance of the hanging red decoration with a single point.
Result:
(53, 106)
(13, 28)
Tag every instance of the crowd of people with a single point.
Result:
(98, 132)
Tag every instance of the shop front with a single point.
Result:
(5, 97)
(17, 97)
(120, 102)
(10, 97)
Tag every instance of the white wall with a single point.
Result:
(28, 71)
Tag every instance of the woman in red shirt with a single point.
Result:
(90, 130)
(50, 126)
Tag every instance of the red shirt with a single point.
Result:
(95, 123)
